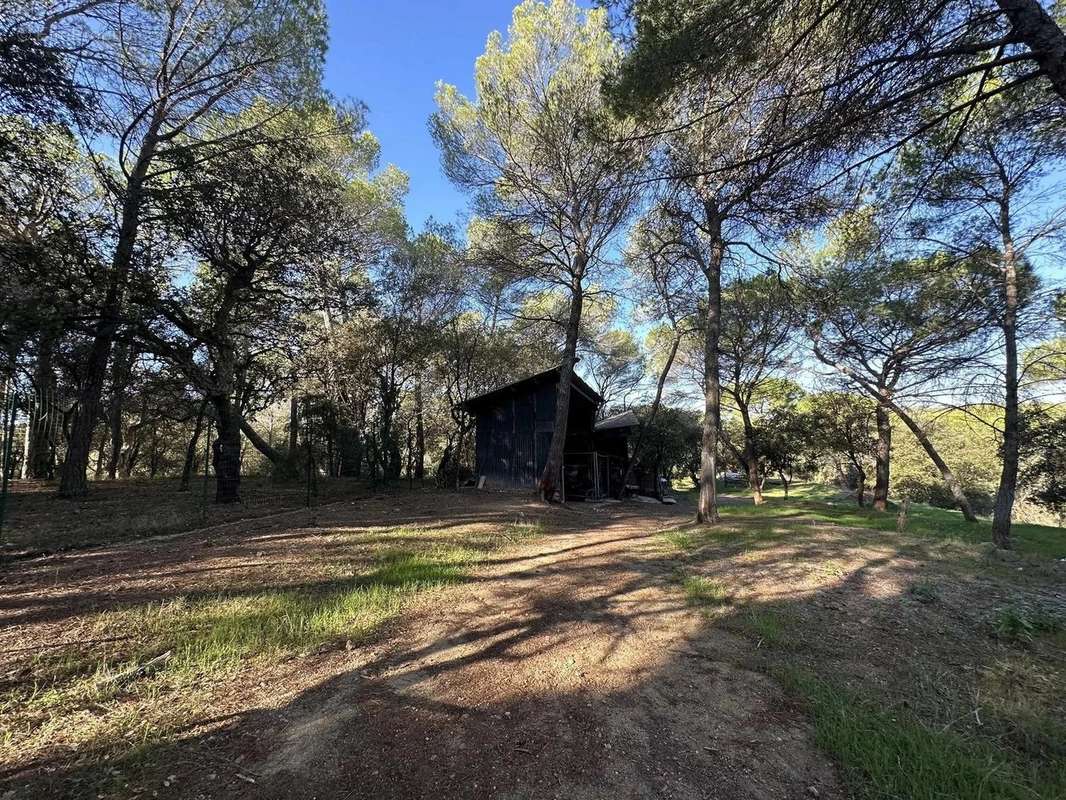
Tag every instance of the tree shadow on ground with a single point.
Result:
(579, 669)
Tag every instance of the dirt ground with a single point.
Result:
(37, 521)
(569, 667)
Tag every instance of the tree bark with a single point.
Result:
(553, 467)
(885, 399)
(272, 454)
(98, 472)
(190, 451)
(120, 370)
(1038, 29)
(860, 487)
(882, 458)
(751, 456)
(41, 425)
(957, 493)
(1008, 478)
(294, 425)
(707, 508)
(226, 450)
(420, 434)
(655, 403)
(72, 481)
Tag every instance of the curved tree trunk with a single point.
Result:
(1038, 29)
(72, 479)
(674, 345)
(750, 458)
(952, 482)
(884, 399)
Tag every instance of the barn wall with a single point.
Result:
(514, 433)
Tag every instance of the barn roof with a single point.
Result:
(627, 419)
(531, 381)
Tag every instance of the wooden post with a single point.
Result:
(901, 517)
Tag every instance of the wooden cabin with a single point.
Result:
(513, 431)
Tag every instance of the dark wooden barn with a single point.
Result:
(514, 426)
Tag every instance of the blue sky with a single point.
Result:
(390, 55)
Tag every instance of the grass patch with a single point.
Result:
(692, 539)
(208, 637)
(768, 626)
(67, 694)
(1022, 623)
(704, 592)
(823, 504)
(522, 530)
(926, 592)
(888, 753)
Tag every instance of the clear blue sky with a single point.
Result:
(390, 55)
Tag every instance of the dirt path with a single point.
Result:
(572, 668)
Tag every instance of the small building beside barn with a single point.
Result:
(513, 431)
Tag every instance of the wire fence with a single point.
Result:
(135, 504)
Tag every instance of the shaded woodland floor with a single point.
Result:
(36, 521)
(482, 645)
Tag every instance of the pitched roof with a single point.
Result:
(627, 419)
(548, 374)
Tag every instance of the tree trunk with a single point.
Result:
(42, 424)
(957, 493)
(98, 472)
(1008, 478)
(653, 411)
(72, 480)
(272, 454)
(882, 458)
(1045, 39)
(226, 450)
(707, 509)
(784, 482)
(860, 487)
(884, 399)
(751, 457)
(420, 434)
(294, 426)
(190, 451)
(553, 467)
(120, 371)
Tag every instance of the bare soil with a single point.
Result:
(38, 521)
(569, 667)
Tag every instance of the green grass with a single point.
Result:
(926, 592)
(888, 753)
(977, 714)
(1023, 623)
(704, 592)
(690, 539)
(768, 626)
(210, 637)
(826, 505)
